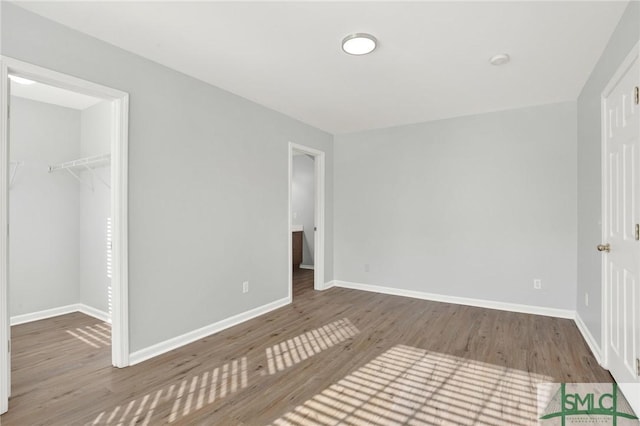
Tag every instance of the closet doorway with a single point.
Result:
(63, 198)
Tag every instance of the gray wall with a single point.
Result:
(623, 39)
(303, 202)
(475, 207)
(207, 182)
(95, 205)
(43, 216)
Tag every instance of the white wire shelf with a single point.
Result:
(82, 164)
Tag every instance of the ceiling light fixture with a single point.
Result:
(359, 44)
(500, 59)
(20, 80)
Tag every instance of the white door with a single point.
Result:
(621, 192)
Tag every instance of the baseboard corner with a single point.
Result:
(329, 284)
(588, 337)
(95, 313)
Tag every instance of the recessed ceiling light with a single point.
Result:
(500, 59)
(20, 80)
(359, 44)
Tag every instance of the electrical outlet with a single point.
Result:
(295, 215)
(537, 284)
(245, 287)
(366, 267)
(586, 299)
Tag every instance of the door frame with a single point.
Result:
(119, 207)
(319, 216)
(622, 69)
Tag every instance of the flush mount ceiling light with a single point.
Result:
(500, 59)
(359, 44)
(20, 80)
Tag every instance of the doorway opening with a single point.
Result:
(63, 192)
(303, 221)
(306, 219)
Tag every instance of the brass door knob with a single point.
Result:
(604, 247)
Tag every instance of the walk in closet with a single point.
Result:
(59, 204)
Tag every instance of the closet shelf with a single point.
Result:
(82, 164)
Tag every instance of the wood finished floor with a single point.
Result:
(334, 357)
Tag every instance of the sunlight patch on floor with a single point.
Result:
(412, 386)
(175, 401)
(96, 336)
(297, 349)
(184, 397)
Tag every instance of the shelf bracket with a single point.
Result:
(96, 176)
(79, 179)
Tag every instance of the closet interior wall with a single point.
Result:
(58, 246)
(95, 211)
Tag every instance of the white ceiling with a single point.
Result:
(432, 61)
(53, 95)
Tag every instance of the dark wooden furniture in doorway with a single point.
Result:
(296, 238)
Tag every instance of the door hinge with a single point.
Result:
(637, 95)
(637, 231)
(638, 366)
(9, 346)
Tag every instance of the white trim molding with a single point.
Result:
(480, 303)
(329, 284)
(93, 312)
(5, 323)
(44, 314)
(61, 310)
(588, 337)
(120, 223)
(192, 336)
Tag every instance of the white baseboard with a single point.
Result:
(40, 315)
(588, 337)
(329, 284)
(512, 307)
(306, 267)
(93, 312)
(190, 337)
(62, 310)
